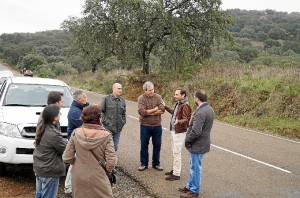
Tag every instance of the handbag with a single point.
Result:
(111, 175)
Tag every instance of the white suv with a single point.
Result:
(22, 100)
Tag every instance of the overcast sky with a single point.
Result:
(41, 15)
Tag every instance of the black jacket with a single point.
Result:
(114, 113)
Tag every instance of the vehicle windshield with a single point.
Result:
(34, 95)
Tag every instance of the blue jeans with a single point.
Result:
(116, 139)
(145, 133)
(195, 172)
(46, 187)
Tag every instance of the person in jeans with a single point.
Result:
(150, 108)
(114, 113)
(47, 156)
(181, 115)
(197, 142)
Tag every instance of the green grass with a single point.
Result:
(279, 126)
(263, 98)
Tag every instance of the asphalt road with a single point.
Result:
(242, 163)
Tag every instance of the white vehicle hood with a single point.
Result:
(27, 115)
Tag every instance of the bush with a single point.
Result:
(52, 70)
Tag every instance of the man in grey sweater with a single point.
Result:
(197, 142)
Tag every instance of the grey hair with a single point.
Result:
(147, 85)
(77, 94)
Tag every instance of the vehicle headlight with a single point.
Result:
(10, 130)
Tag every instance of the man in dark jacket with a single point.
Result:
(114, 113)
(181, 115)
(79, 102)
(197, 142)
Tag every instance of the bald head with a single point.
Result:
(117, 89)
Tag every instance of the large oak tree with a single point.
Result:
(132, 29)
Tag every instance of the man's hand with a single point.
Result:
(176, 121)
(155, 111)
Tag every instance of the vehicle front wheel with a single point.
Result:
(2, 169)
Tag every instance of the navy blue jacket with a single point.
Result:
(74, 117)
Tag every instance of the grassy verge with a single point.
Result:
(264, 98)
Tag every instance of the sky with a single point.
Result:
(41, 15)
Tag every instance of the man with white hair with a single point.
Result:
(114, 113)
(150, 108)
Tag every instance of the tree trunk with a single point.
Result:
(146, 62)
(94, 68)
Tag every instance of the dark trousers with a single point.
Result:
(155, 133)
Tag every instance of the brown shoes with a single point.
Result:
(183, 190)
(189, 194)
(158, 167)
(169, 173)
(172, 177)
(142, 167)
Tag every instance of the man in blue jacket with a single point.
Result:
(197, 142)
(79, 102)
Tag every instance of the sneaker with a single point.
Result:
(184, 189)
(172, 177)
(142, 167)
(169, 173)
(158, 167)
(189, 194)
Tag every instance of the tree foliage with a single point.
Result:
(264, 35)
(134, 29)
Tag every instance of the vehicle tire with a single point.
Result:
(2, 169)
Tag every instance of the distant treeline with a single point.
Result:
(261, 38)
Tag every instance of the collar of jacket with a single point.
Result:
(183, 101)
(115, 97)
(77, 104)
(92, 126)
(202, 105)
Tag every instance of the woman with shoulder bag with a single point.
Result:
(87, 146)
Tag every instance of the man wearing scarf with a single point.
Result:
(181, 116)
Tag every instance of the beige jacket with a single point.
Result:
(88, 177)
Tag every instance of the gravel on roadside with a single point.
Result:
(126, 187)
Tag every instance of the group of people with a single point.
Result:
(94, 134)
(90, 140)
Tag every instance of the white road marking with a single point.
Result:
(250, 158)
(238, 154)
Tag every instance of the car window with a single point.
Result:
(34, 95)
